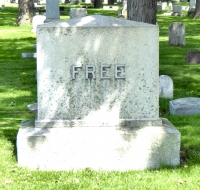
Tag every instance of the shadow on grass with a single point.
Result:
(9, 125)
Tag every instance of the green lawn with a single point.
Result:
(18, 88)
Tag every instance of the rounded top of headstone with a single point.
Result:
(96, 21)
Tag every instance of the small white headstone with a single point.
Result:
(125, 5)
(170, 6)
(37, 20)
(164, 5)
(166, 86)
(88, 1)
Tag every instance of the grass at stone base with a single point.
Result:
(18, 88)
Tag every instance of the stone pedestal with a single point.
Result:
(97, 98)
(98, 148)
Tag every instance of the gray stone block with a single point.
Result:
(33, 107)
(177, 34)
(29, 55)
(98, 148)
(159, 8)
(66, 92)
(78, 12)
(192, 57)
(177, 9)
(185, 106)
(52, 11)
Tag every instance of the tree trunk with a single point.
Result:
(25, 12)
(197, 9)
(111, 2)
(142, 10)
(98, 4)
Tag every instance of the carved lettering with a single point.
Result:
(118, 71)
(103, 71)
(90, 71)
(75, 71)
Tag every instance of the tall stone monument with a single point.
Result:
(52, 11)
(98, 94)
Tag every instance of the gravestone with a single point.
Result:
(170, 6)
(159, 8)
(192, 56)
(166, 86)
(29, 55)
(88, 1)
(37, 20)
(124, 5)
(32, 107)
(98, 104)
(192, 4)
(42, 2)
(177, 9)
(164, 5)
(177, 34)
(78, 12)
(75, 2)
(52, 11)
(185, 106)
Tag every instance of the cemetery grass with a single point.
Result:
(18, 89)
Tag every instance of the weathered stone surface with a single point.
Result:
(97, 100)
(192, 4)
(52, 11)
(192, 57)
(177, 34)
(177, 9)
(33, 107)
(166, 86)
(123, 90)
(78, 12)
(29, 55)
(185, 106)
(159, 8)
(170, 6)
(105, 148)
(164, 5)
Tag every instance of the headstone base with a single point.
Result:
(51, 20)
(105, 148)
